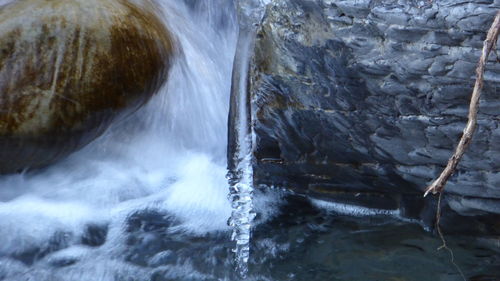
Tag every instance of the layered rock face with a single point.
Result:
(68, 68)
(364, 101)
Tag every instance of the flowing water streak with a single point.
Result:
(240, 175)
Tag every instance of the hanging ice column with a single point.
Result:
(250, 13)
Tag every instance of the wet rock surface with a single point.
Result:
(371, 97)
(68, 68)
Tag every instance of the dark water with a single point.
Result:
(322, 246)
(299, 243)
(304, 243)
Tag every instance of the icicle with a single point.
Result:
(250, 13)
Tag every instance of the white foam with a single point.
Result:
(352, 210)
(200, 196)
(30, 222)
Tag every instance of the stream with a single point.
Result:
(149, 199)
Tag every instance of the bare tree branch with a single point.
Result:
(489, 44)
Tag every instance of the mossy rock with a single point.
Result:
(68, 68)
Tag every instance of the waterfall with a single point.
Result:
(169, 157)
(241, 135)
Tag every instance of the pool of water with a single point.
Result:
(300, 242)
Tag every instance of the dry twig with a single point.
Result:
(489, 44)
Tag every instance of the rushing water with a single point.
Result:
(169, 158)
(148, 200)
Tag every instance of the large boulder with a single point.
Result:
(362, 102)
(68, 68)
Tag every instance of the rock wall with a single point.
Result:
(364, 101)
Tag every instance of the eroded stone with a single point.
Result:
(376, 102)
(68, 68)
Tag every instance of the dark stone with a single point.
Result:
(94, 235)
(371, 97)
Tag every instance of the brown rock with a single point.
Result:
(68, 68)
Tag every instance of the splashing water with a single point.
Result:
(169, 156)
